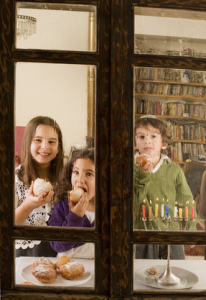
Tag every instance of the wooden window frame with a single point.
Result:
(113, 235)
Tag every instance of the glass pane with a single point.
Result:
(160, 31)
(68, 269)
(55, 26)
(170, 139)
(184, 269)
(55, 119)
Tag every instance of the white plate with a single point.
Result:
(26, 273)
(187, 278)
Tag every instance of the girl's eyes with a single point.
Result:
(39, 141)
(89, 174)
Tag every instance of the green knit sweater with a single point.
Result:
(168, 182)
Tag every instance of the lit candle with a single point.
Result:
(150, 210)
(143, 211)
(175, 212)
(180, 213)
(162, 208)
(193, 211)
(167, 208)
(186, 211)
(156, 210)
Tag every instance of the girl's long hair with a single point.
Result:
(28, 171)
(63, 184)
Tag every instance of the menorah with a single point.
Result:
(167, 278)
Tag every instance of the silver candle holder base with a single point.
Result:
(168, 278)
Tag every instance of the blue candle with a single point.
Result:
(167, 210)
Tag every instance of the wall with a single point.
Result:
(55, 90)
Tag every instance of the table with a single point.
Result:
(197, 267)
(24, 261)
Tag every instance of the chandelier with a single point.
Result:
(26, 26)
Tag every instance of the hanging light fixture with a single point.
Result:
(26, 26)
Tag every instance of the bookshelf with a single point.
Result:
(179, 97)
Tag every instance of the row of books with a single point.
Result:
(166, 74)
(191, 131)
(182, 151)
(170, 109)
(170, 89)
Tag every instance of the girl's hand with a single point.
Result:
(80, 208)
(33, 202)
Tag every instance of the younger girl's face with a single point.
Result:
(44, 145)
(83, 176)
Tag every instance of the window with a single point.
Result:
(114, 59)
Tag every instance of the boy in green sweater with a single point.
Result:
(161, 192)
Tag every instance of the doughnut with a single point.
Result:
(41, 186)
(44, 273)
(71, 270)
(76, 194)
(143, 158)
(27, 283)
(152, 270)
(63, 260)
(44, 261)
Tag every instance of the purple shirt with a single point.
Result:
(62, 216)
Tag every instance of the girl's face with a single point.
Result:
(83, 176)
(44, 145)
(149, 141)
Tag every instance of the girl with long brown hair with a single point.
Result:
(41, 157)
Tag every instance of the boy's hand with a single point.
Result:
(145, 162)
(80, 208)
(146, 167)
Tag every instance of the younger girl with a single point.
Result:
(41, 157)
(153, 182)
(79, 172)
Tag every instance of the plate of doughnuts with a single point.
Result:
(65, 272)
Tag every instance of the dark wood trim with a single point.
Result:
(113, 235)
(7, 145)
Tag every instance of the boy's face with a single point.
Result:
(149, 141)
